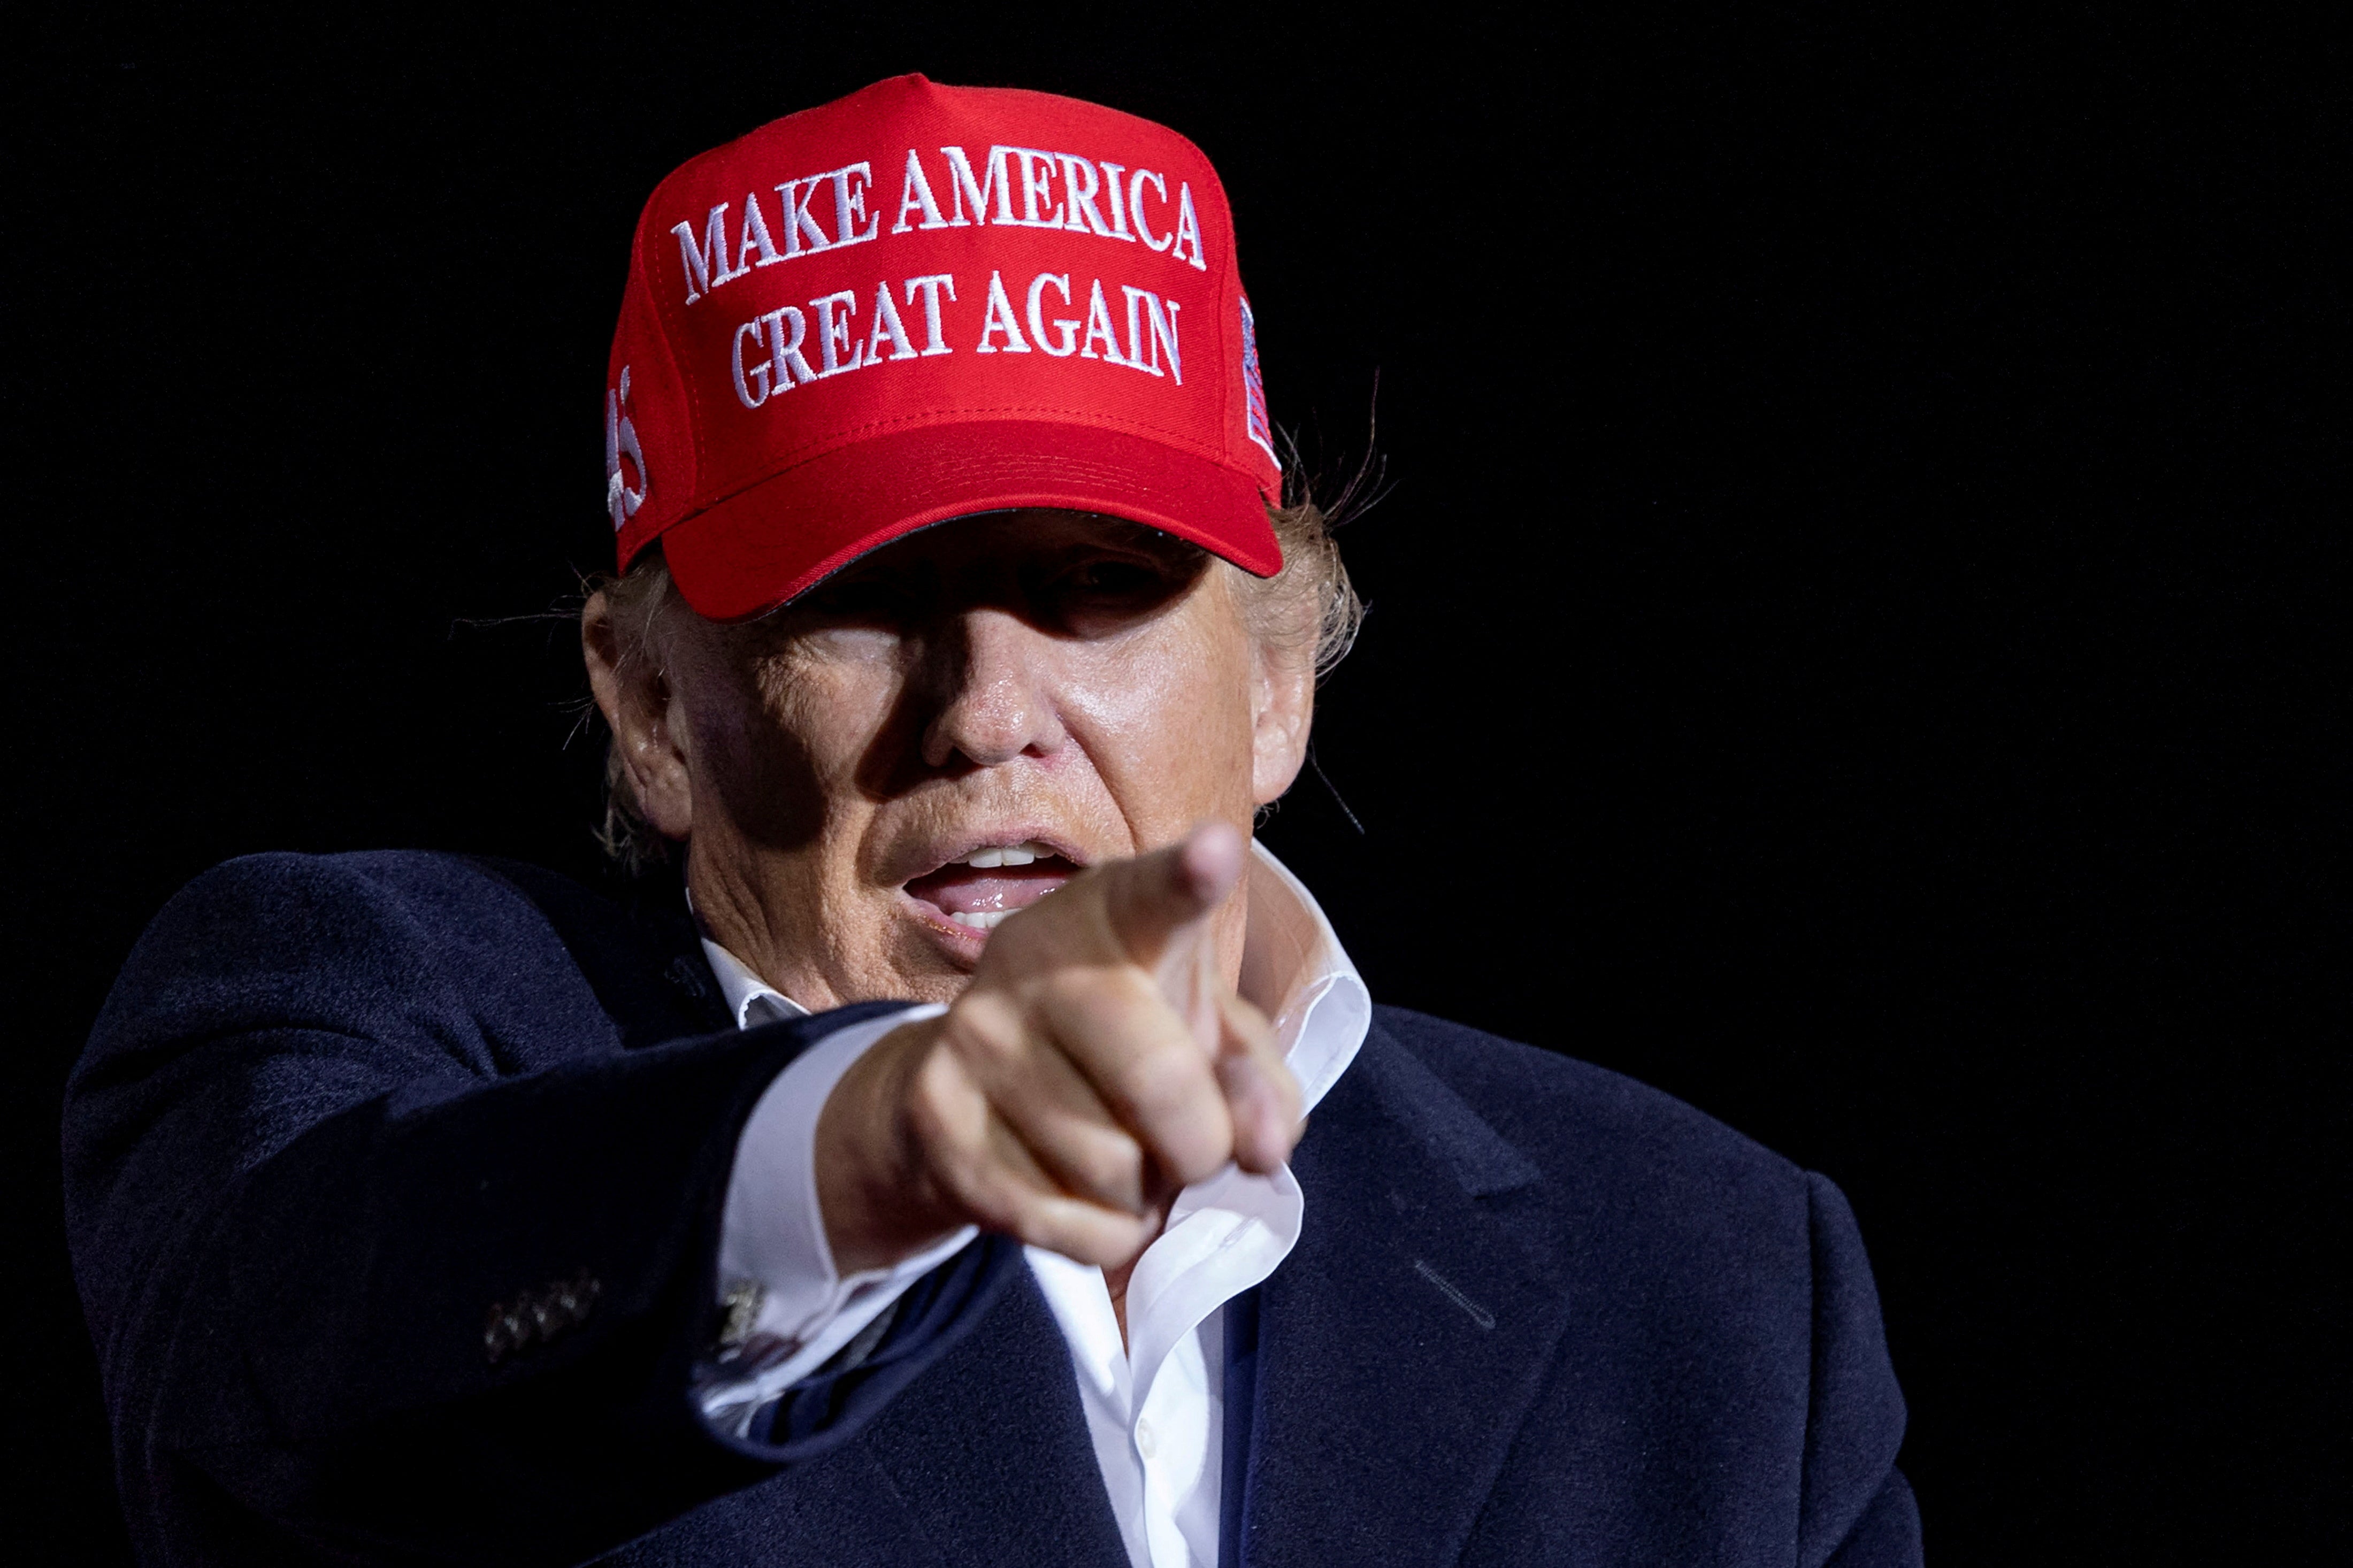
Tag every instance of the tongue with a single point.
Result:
(965, 890)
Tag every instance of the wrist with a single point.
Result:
(878, 1203)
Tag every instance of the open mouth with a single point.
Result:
(978, 890)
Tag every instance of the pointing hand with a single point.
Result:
(1097, 1063)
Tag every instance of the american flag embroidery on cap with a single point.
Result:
(1253, 387)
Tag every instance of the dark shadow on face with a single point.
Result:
(769, 785)
(1066, 575)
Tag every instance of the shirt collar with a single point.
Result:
(1293, 968)
(751, 1001)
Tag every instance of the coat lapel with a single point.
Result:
(990, 1450)
(1401, 1342)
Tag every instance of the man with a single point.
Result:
(1003, 1163)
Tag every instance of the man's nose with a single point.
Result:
(997, 693)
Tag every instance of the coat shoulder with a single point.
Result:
(1724, 1303)
(384, 942)
(1585, 1124)
(282, 925)
(283, 902)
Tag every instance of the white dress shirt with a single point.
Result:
(1155, 1404)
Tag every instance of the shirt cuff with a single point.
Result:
(788, 1310)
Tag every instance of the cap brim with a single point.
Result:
(759, 549)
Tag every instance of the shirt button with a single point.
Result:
(1145, 1443)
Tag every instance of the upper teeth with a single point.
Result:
(987, 920)
(1007, 855)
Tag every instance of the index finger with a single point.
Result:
(1154, 900)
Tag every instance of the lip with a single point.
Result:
(941, 852)
(962, 942)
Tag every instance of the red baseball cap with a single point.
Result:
(919, 302)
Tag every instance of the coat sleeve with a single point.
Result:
(1855, 1509)
(374, 1272)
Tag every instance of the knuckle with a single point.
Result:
(1110, 1164)
(985, 1027)
(1167, 1077)
(1194, 1162)
(981, 1184)
(1082, 991)
(1193, 1142)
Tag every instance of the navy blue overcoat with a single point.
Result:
(342, 1116)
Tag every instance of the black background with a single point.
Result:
(1867, 496)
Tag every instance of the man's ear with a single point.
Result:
(634, 693)
(1283, 707)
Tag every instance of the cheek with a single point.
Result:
(834, 703)
(1166, 722)
(790, 741)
